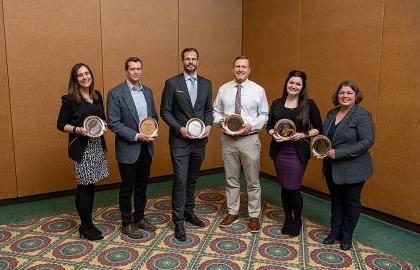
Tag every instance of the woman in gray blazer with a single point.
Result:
(348, 164)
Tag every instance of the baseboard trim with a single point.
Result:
(408, 225)
(63, 193)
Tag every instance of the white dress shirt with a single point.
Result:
(254, 105)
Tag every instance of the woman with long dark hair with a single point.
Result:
(88, 153)
(291, 154)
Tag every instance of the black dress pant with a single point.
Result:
(134, 177)
(186, 162)
(345, 208)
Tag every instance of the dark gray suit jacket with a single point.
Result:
(176, 108)
(351, 141)
(123, 120)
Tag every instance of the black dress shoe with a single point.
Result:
(180, 234)
(89, 233)
(330, 239)
(194, 220)
(145, 225)
(345, 246)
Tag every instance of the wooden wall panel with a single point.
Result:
(215, 29)
(148, 29)
(396, 186)
(340, 40)
(7, 168)
(44, 38)
(271, 40)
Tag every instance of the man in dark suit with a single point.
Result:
(127, 105)
(186, 96)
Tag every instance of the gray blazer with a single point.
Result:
(351, 141)
(176, 108)
(123, 120)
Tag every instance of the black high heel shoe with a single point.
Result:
(287, 226)
(89, 233)
(296, 227)
(97, 231)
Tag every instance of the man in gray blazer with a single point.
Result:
(186, 96)
(127, 105)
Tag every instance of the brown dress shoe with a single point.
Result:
(145, 225)
(254, 225)
(228, 220)
(131, 231)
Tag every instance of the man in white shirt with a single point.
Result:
(247, 98)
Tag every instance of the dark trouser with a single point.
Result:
(186, 163)
(84, 203)
(134, 177)
(345, 208)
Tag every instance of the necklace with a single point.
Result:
(86, 97)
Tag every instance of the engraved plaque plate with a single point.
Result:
(195, 127)
(94, 125)
(149, 126)
(320, 145)
(234, 122)
(285, 128)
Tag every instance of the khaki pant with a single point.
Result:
(245, 151)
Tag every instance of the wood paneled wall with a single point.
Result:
(7, 159)
(40, 41)
(373, 42)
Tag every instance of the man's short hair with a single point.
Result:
(188, 50)
(132, 59)
(240, 58)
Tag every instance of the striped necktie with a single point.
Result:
(238, 99)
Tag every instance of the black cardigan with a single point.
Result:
(278, 111)
(74, 113)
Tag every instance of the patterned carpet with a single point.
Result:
(53, 243)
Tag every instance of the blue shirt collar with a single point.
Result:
(132, 87)
(187, 77)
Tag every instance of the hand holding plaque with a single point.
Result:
(149, 127)
(94, 125)
(195, 127)
(320, 145)
(285, 128)
(233, 123)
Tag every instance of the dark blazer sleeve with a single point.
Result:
(363, 124)
(208, 110)
(66, 112)
(271, 121)
(166, 107)
(315, 116)
(152, 106)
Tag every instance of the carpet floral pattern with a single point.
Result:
(53, 243)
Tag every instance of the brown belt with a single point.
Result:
(242, 135)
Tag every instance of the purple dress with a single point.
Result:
(289, 169)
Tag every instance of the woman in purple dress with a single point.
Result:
(291, 154)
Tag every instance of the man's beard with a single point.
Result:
(188, 71)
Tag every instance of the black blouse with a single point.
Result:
(279, 111)
(74, 113)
